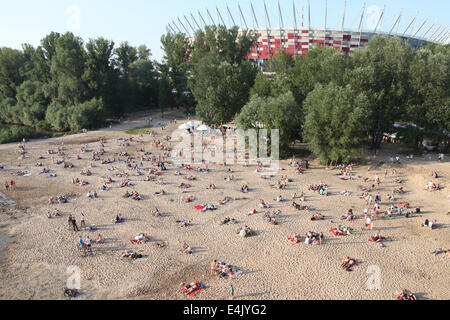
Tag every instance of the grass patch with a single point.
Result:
(136, 131)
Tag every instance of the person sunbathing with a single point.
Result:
(156, 213)
(118, 219)
(126, 195)
(131, 254)
(226, 200)
(348, 263)
(140, 238)
(160, 193)
(99, 238)
(317, 216)
(188, 199)
(429, 223)
(377, 238)
(186, 249)
(405, 295)
(244, 188)
(263, 205)
(245, 231)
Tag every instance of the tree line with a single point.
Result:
(65, 85)
(337, 102)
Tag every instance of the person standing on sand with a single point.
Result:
(82, 221)
(74, 225)
(232, 292)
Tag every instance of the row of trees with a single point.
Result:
(337, 102)
(65, 84)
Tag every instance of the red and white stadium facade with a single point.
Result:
(298, 40)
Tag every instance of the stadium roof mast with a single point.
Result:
(431, 37)
(242, 17)
(445, 37)
(440, 34)
(176, 26)
(171, 29)
(360, 24)
(255, 20)
(420, 28)
(220, 17)
(409, 25)
(326, 9)
(396, 21)
(309, 15)
(379, 20)
(187, 32)
(343, 17)
(210, 17)
(280, 16)
(201, 17)
(195, 21)
(295, 15)
(267, 16)
(424, 34)
(193, 30)
(231, 16)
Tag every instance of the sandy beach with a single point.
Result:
(35, 264)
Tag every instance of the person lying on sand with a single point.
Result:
(244, 188)
(160, 193)
(317, 216)
(263, 205)
(140, 238)
(228, 220)
(156, 213)
(429, 223)
(188, 199)
(186, 249)
(226, 200)
(270, 219)
(118, 219)
(131, 254)
(405, 295)
(440, 250)
(348, 264)
(245, 232)
(99, 238)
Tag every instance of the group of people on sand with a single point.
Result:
(133, 195)
(222, 269)
(10, 185)
(245, 231)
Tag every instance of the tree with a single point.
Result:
(67, 69)
(11, 62)
(381, 72)
(163, 93)
(429, 76)
(336, 122)
(175, 65)
(280, 112)
(221, 89)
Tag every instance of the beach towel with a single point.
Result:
(199, 208)
(293, 241)
(249, 190)
(336, 233)
(27, 175)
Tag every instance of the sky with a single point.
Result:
(144, 21)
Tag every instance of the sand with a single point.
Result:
(273, 268)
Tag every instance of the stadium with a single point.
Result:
(301, 36)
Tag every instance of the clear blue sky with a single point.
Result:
(144, 21)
